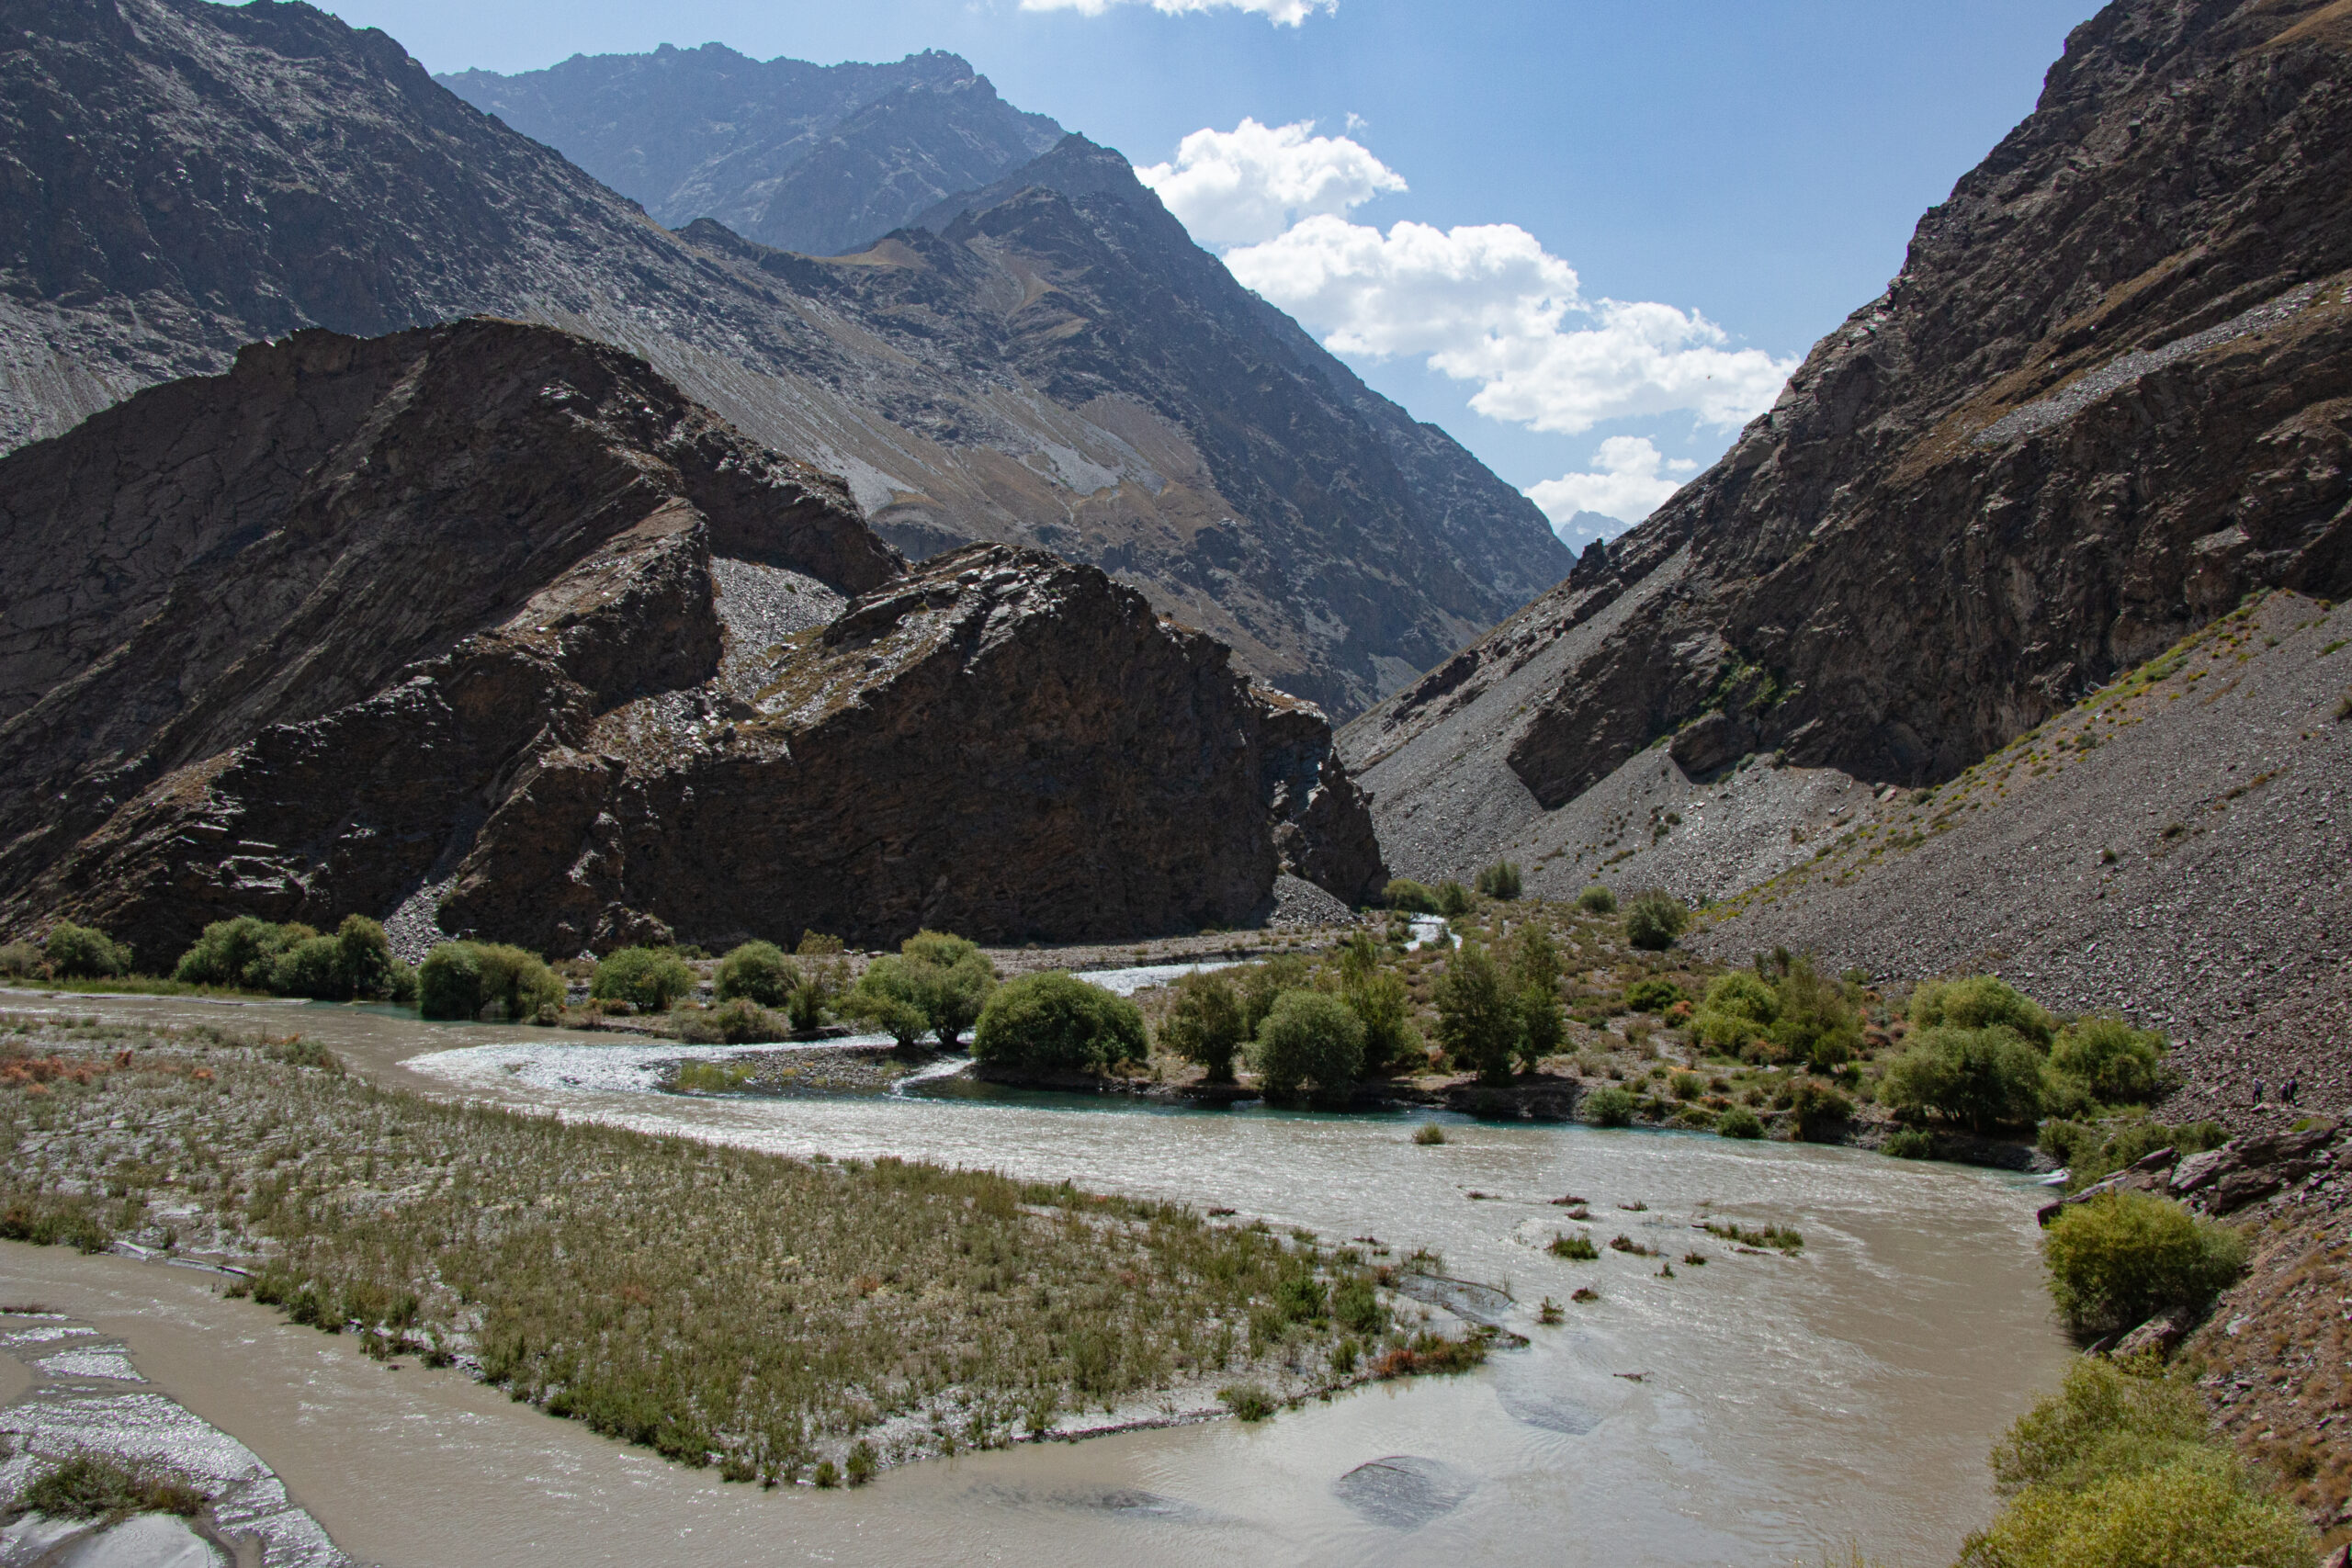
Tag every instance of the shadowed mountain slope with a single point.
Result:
(493, 618)
(2109, 393)
(821, 159)
(187, 177)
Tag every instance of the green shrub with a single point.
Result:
(88, 1484)
(757, 972)
(1737, 1011)
(1356, 1306)
(1908, 1143)
(1308, 1038)
(236, 954)
(1384, 1006)
(1055, 1023)
(81, 952)
(1203, 1024)
(2121, 1256)
(1611, 1107)
(953, 978)
(311, 968)
(19, 960)
(1597, 901)
(1248, 1402)
(1429, 1134)
(1687, 1085)
(1819, 1111)
(859, 1467)
(471, 979)
(1653, 918)
(1259, 983)
(1542, 1025)
(1653, 996)
(741, 1021)
(1453, 898)
(2119, 1469)
(1404, 893)
(1500, 880)
(1984, 1079)
(1738, 1122)
(2118, 1064)
(1479, 1019)
(890, 997)
(1816, 1023)
(648, 979)
(1576, 1248)
(2090, 1153)
(1982, 1001)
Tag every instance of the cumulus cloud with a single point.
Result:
(1248, 185)
(1487, 303)
(1633, 478)
(1284, 13)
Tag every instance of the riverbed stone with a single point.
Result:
(1404, 1491)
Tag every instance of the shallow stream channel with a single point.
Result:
(1759, 1408)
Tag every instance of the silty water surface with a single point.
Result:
(1755, 1409)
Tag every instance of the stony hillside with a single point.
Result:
(2106, 396)
(187, 177)
(2175, 847)
(491, 622)
(823, 159)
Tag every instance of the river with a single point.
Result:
(1756, 1409)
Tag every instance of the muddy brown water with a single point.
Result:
(1754, 1410)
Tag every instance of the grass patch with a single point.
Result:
(87, 1485)
(1576, 1249)
(1781, 1238)
(1429, 1134)
(718, 1305)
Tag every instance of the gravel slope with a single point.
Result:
(2189, 869)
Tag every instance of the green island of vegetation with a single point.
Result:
(770, 1316)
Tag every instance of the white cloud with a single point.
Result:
(1286, 13)
(1247, 185)
(1489, 304)
(1631, 482)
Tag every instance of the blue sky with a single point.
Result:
(1740, 172)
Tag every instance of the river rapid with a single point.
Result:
(1756, 1409)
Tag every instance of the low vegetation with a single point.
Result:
(779, 1314)
(88, 1484)
(2118, 1258)
(2118, 1470)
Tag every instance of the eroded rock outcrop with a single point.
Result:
(495, 610)
(2109, 393)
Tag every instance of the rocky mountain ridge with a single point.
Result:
(495, 616)
(188, 178)
(821, 158)
(2103, 400)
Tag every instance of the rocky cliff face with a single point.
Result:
(2105, 397)
(1072, 374)
(822, 159)
(494, 616)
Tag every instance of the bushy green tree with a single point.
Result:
(1597, 901)
(235, 953)
(83, 953)
(1501, 880)
(1404, 893)
(1259, 983)
(1477, 1017)
(1740, 1123)
(1204, 1023)
(368, 966)
(312, 968)
(1057, 1023)
(1609, 1107)
(1652, 995)
(2120, 1257)
(757, 972)
(1818, 1109)
(1308, 1039)
(1816, 1022)
(890, 997)
(1738, 1011)
(467, 979)
(648, 979)
(1542, 1025)
(2116, 1064)
(1982, 1001)
(1453, 898)
(1655, 919)
(1384, 1006)
(954, 977)
(1984, 1079)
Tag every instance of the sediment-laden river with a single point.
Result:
(1756, 1409)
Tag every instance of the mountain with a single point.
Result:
(185, 177)
(489, 626)
(823, 159)
(2105, 396)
